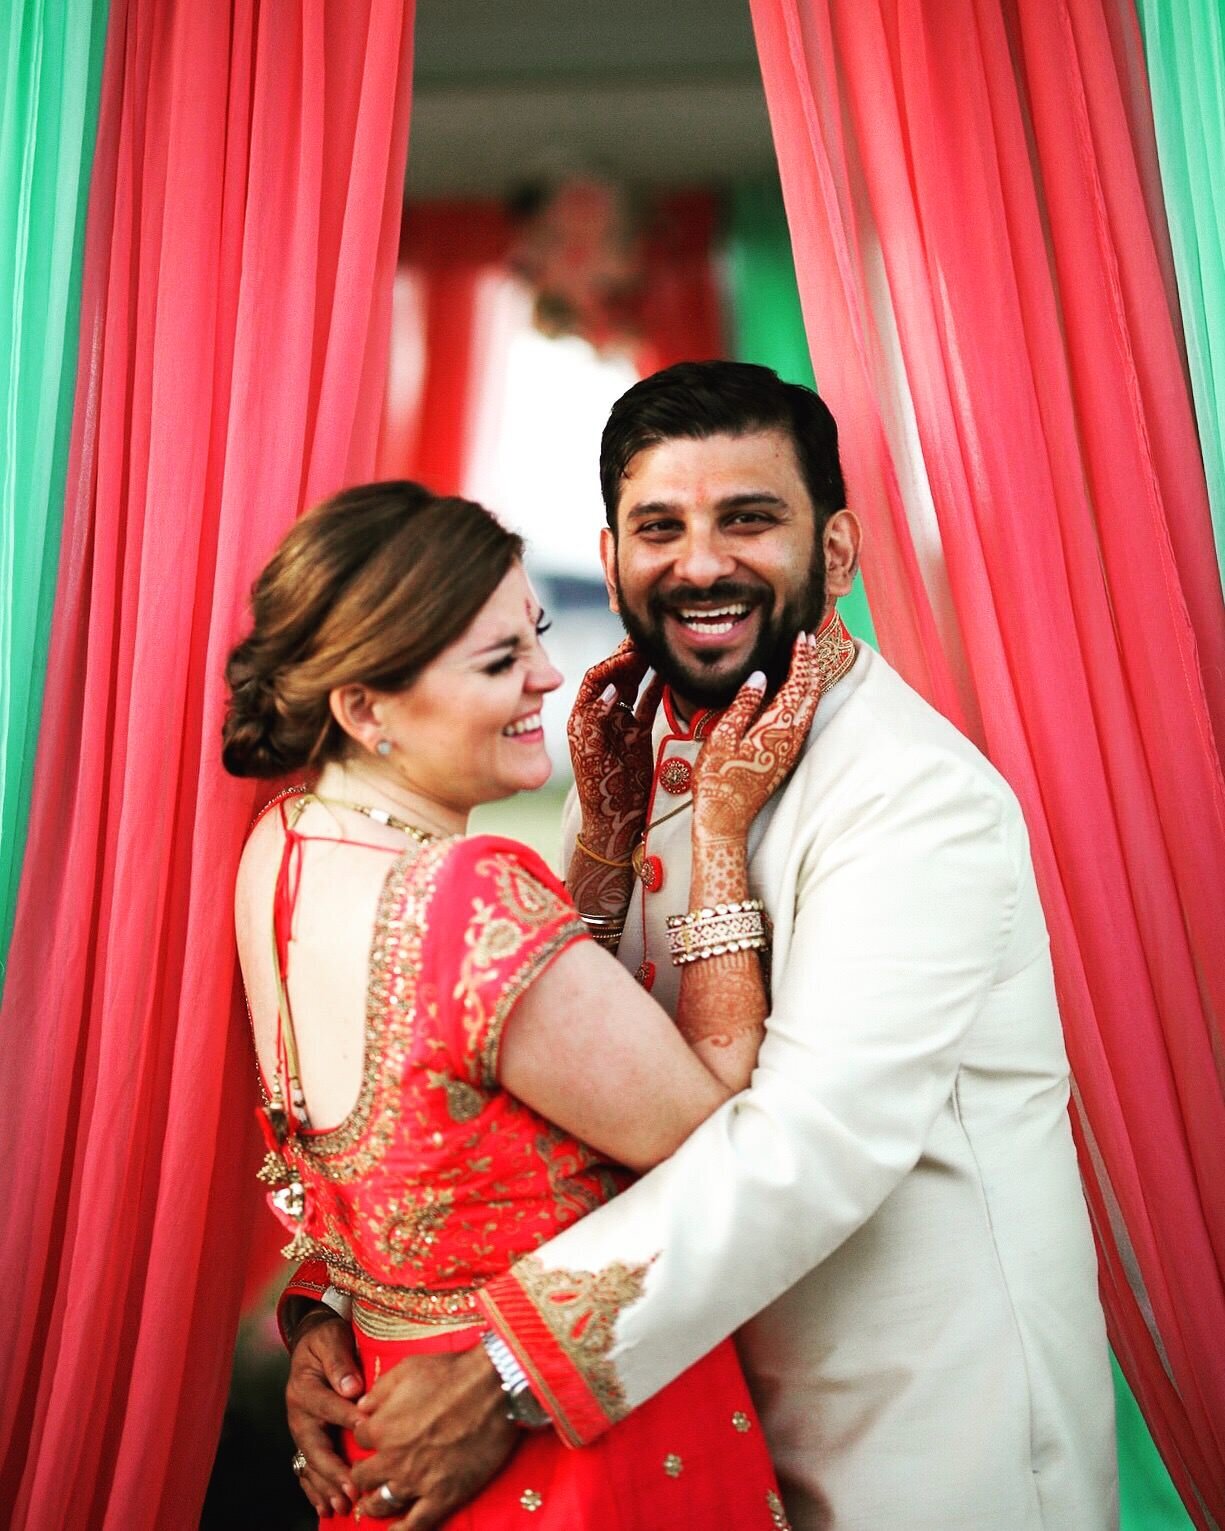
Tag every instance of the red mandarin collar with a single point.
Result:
(835, 655)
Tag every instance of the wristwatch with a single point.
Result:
(523, 1408)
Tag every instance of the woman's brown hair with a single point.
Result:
(367, 588)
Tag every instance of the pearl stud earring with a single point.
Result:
(383, 748)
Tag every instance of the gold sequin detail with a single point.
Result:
(778, 1516)
(741, 1421)
(425, 1305)
(491, 938)
(581, 1309)
(673, 1465)
(464, 1101)
(410, 1224)
(530, 1499)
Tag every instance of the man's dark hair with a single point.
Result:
(696, 399)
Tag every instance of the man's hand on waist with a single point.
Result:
(439, 1431)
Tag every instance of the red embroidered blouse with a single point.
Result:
(438, 1179)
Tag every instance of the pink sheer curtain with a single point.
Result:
(446, 250)
(984, 286)
(240, 251)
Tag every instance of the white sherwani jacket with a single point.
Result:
(891, 1214)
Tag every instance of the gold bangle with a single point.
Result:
(603, 860)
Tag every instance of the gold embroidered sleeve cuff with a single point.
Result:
(559, 1325)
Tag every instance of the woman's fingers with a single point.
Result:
(744, 707)
(624, 668)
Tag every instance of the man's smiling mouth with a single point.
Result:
(713, 621)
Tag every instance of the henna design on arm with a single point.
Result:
(613, 759)
(748, 756)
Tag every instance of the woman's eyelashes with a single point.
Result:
(500, 666)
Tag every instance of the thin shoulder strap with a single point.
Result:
(284, 903)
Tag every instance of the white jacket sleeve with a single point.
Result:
(903, 907)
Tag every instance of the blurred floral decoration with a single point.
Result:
(579, 243)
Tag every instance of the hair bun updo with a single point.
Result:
(367, 588)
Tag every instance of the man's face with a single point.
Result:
(716, 565)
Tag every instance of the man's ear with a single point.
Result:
(608, 557)
(840, 544)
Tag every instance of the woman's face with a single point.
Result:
(468, 730)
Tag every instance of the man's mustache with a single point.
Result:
(721, 593)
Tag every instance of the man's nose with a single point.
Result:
(702, 559)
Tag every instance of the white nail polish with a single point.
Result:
(757, 680)
(608, 694)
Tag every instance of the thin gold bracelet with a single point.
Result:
(603, 860)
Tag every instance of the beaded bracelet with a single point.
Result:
(702, 933)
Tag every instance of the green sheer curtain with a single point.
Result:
(766, 323)
(52, 67)
(1184, 45)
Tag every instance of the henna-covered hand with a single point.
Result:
(754, 748)
(610, 747)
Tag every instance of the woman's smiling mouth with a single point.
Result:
(524, 727)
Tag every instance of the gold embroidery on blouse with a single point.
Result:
(351, 1150)
(425, 1305)
(778, 1516)
(410, 1224)
(530, 1499)
(493, 937)
(464, 1101)
(581, 1309)
(741, 1421)
(565, 1160)
(673, 1465)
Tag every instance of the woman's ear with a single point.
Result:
(840, 543)
(355, 709)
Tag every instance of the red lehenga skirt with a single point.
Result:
(690, 1459)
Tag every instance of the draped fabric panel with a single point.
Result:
(766, 321)
(51, 67)
(682, 317)
(985, 294)
(448, 250)
(241, 243)
(1184, 46)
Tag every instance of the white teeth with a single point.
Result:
(705, 615)
(714, 621)
(523, 726)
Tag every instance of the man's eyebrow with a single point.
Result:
(728, 502)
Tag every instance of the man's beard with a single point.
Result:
(690, 678)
